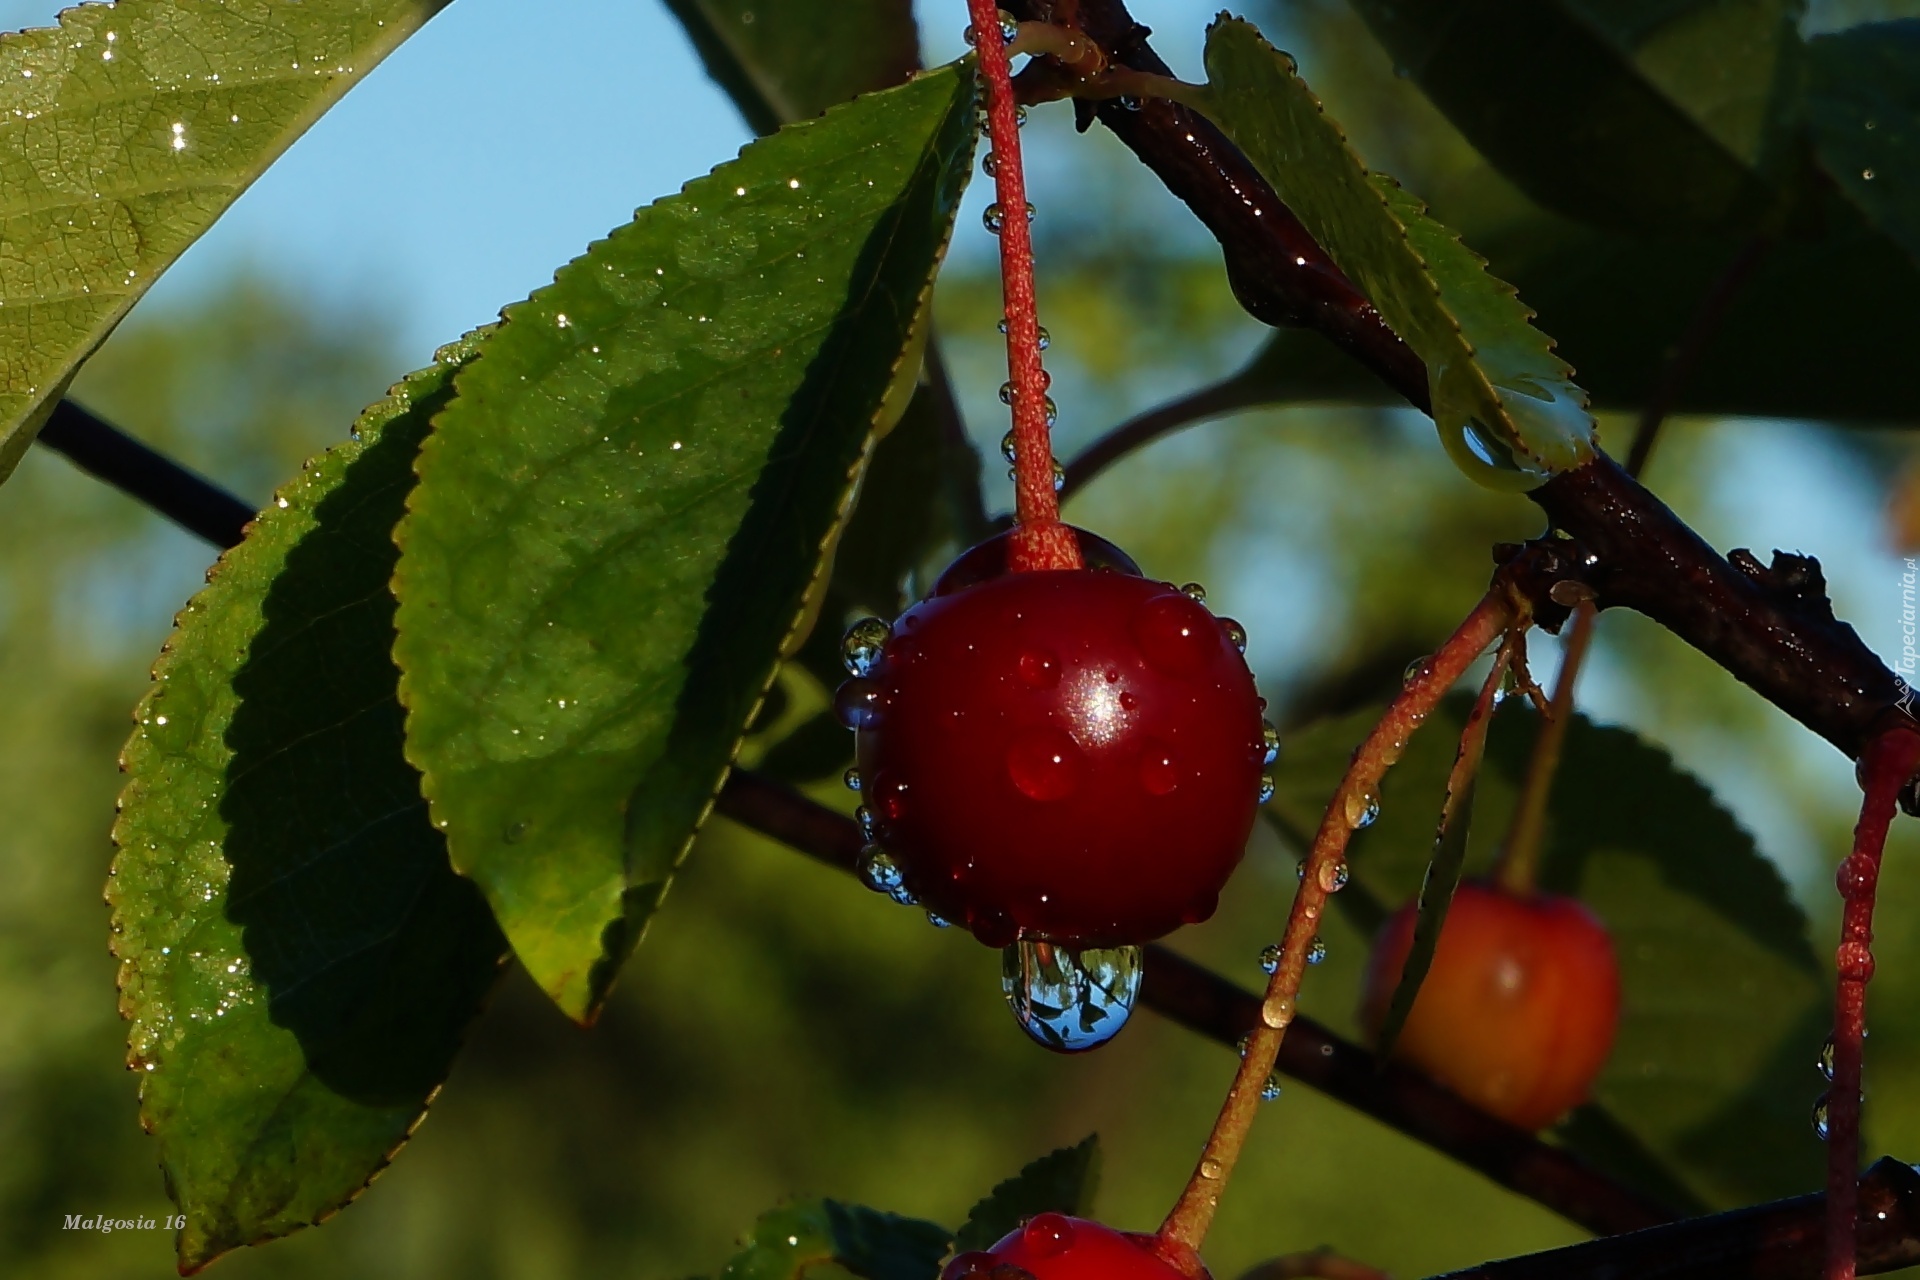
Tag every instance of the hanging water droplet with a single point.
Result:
(880, 873)
(1046, 340)
(939, 922)
(1271, 1089)
(852, 778)
(1053, 411)
(994, 218)
(990, 164)
(1300, 870)
(1336, 877)
(1820, 1123)
(1070, 1001)
(1317, 952)
(1824, 1064)
(1194, 592)
(1020, 117)
(1362, 811)
(1032, 212)
(857, 703)
(861, 647)
(1236, 634)
(1415, 670)
(1270, 959)
(1006, 394)
(1129, 103)
(1266, 788)
(864, 816)
(1006, 447)
(1059, 476)
(1270, 740)
(1244, 1043)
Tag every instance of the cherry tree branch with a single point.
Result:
(191, 501)
(1213, 1006)
(1783, 1240)
(1772, 629)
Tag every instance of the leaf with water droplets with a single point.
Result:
(787, 60)
(1723, 1003)
(624, 510)
(130, 128)
(1863, 112)
(1507, 407)
(827, 1240)
(1061, 1181)
(297, 957)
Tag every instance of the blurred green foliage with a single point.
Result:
(782, 1033)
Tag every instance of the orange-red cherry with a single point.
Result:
(1072, 756)
(1055, 1247)
(1518, 1013)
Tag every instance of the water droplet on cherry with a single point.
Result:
(1044, 764)
(1068, 1000)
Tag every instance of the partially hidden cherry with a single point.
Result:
(1055, 1247)
(1518, 1013)
(1069, 755)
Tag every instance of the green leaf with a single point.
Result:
(1660, 117)
(1505, 404)
(624, 509)
(131, 127)
(827, 1240)
(1723, 1000)
(783, 61)
(298, 959)
(1061, 1181)
(1863, 110)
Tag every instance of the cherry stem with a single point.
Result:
(1890, 760)
(1040, 541)
(1186, 1226)
(1519, 863)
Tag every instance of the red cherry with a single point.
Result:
(1068, 755)
(1055, 1247)
(1518, 1013)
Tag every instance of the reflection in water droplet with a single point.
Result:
(939, 922)
(1211, 1169)
(994, 218)
(880, 873)
(1271, 1089)
(857, 703)
(1236, 634)
(1362, 810)
(1044, 765)
(1270, 959)
(864, 816)
(861, 647)
(1266, 789)
(1825, 1062)
(1334, 878)
(1317, 952)
(1006, 448)
(1820, 1118)
(1070, 1001)
(1270, 743)
(1194, 592)
(852, 778)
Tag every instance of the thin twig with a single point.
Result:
(1693, 344)
(1213, 401)
(1888, 765)
(1520, 857)
(1317, 1264)
(193, 502)
(1202, 1001)
(1186, 1226)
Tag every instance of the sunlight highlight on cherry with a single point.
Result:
(1055, 1247)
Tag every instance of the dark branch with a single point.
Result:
(1775, 638)
(1203, 1001)
(195, 504)
(1778, 1241)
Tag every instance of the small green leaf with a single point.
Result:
(130, 128)
(1506, 406)
(782, 61)
(621, 514)
(1863, 109)
(827, 1240)
(298, 959)
(1723, 999)
(1061, 1181)
(1657, 117)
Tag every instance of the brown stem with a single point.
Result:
(1206, 1003)
(1186, 1226)
(1519, 862)
(1783, 1240)
(1772, 637)
(1886, 767)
